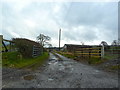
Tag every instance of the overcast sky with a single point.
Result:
(88, 22)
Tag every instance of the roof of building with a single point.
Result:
(76, 45)
(27, 40)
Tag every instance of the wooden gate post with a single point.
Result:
(89, 52)
(102, 51)
(1, 38)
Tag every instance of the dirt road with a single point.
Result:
(65, 73)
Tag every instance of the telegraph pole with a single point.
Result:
(59, 38)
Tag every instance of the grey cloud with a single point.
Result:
(92, 14)
(88, 34)
(102, 16)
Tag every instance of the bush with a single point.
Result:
(25, 46)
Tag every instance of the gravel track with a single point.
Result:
(65, 73)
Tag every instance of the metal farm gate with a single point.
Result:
(37, 51)
(90, 51)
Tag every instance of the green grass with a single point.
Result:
(91, 60)
(107, 57)
(8, 47)
(66, 55)
(110, 56)
(94, 60)
(13, 60)
(115, 48)
(115, 67)
(69, 56)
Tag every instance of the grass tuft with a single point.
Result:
(14, 60)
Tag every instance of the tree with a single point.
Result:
(104, 43)
(43, 39)
(119, 41)
(114, 43)
(49, 45)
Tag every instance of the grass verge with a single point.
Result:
(110, 56)
(14, 60)
(95, 61)
(91, 60)
(114, 67)
(66, 54)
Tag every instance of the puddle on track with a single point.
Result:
(28, 77)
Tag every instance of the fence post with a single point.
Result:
(82, 52)
(1, 38)
(102, 52)
(74, 51)
(10, 46)
(90, 52)
(33, 51)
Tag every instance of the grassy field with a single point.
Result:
(110, 56)
(15, 60)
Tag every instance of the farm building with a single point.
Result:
(71, 47)
(28, 48)
(54, 48)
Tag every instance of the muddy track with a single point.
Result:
(65, 73)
